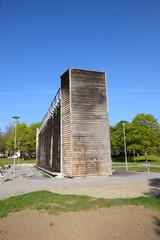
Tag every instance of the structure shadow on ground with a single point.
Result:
(123, 173)
(157, 224)
(154, 184)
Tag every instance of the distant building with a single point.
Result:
(74, 136)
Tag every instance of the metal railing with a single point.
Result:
(51, 109)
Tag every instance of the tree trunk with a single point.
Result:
(146, 157)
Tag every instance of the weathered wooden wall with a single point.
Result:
(48, 147)
(66, 153)
(74, 136)
(85, 130)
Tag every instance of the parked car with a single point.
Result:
(14, 156)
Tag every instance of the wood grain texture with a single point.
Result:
(75, 139)
(65, 127)
(87, 124)
(49, 143)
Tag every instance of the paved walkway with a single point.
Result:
(120, 185)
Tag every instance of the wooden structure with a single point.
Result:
(74, 137)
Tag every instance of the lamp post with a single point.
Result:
(125, 149)
(15, 124)
(18, 151)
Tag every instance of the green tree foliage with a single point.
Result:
(4, 136)
(145, 133)
(21, 137)
(31, 141)
(25, 139)
(2, 146)
(142, 135)
(117, 137)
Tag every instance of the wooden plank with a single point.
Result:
(90, 133)
(65, 122)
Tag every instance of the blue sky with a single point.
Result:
(41, 39)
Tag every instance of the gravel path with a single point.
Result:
(120, 185)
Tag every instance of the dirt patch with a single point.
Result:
(72, 202)
(125, 190)
(53, 204)
(126, 222)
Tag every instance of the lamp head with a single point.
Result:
(16, 118)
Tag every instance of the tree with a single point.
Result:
(2, 146)
(25, 139)
(21, 137)
(31, 138)
(4, 136)
(142, 135)
(145, 133)
(117, 137)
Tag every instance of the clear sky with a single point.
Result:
(41, 39)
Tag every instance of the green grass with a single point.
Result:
(57, 203)
(137, 169)
(153, 159)
(6, 161)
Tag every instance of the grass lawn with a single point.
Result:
(133, 163)
(57, 203)
(136, 168)
(6, 161)
(152, 158)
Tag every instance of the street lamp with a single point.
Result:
(15, 124)
(125, 149)
(18, 151)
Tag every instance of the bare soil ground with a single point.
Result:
(126, 222)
